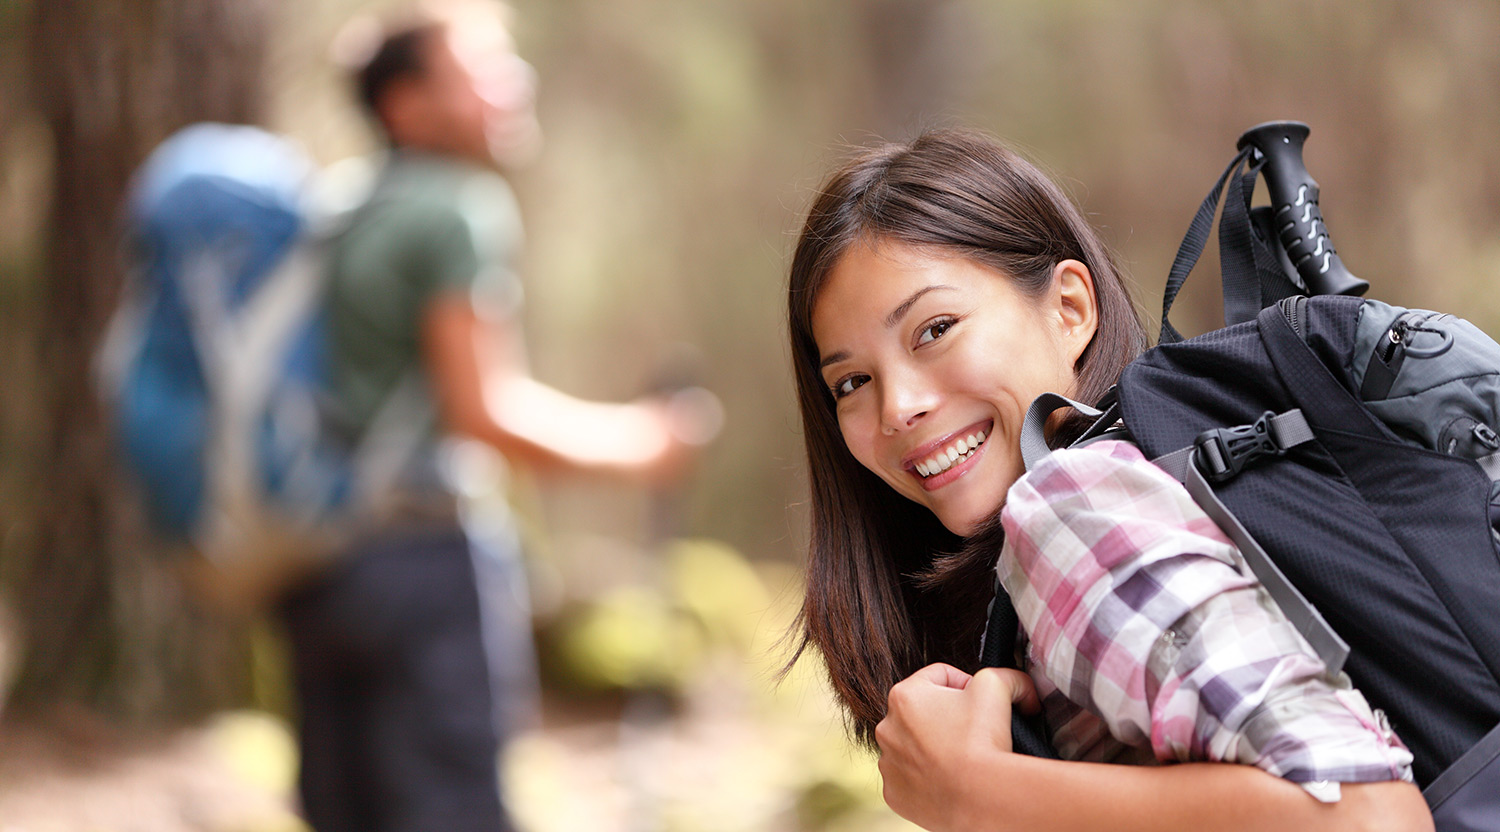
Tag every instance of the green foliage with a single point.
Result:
(639, 637)
(628, 639)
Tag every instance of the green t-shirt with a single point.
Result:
(432, 227)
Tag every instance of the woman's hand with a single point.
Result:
(941, 726)
(945, 758)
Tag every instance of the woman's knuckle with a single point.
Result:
(898, 697)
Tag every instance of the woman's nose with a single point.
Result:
(904, 401)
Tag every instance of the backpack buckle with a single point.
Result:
(1222, 453)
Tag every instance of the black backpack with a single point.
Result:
(1350, 449)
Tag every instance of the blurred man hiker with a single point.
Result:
(390, 649)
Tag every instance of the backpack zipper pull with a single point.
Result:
(1393, 338)
(1385, 362)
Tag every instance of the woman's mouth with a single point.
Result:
(944, 464)
(951, 454)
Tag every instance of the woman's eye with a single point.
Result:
(934, 331)
(845, 386)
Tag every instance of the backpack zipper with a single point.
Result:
(1295, 310)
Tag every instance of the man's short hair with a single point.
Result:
(402, 55)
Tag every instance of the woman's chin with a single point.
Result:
(963, 524)
(963, 506)
(966, 513)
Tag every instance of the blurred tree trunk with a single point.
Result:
(917, 54)
(104, 622)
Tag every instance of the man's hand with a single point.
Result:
(686, 420)
(483, 391)
(940, 725)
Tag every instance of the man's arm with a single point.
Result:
(483, 390)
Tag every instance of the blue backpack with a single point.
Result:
(215, 365)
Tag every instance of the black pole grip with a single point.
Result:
(1295, 213)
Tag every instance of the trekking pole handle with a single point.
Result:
(1296, 215)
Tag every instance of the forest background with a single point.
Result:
(683, 140)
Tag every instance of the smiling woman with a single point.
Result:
(951, 210)
(937, 288)
(930, 352)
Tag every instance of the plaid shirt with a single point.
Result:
(1150, 641)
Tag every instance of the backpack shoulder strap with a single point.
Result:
(392, 440)
(997, 647)
(1285, 430)
(1467, 791)
(1034, 446)
(1224, 451)
(124, 337)
(241, 356)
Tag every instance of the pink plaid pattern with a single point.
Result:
(1150, 641)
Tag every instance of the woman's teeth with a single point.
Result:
(952, 455)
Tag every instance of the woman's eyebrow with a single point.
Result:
(906, 305)
(890, 320)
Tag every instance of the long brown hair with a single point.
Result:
(889, 590)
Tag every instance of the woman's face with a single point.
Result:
(933, 360)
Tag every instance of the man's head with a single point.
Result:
(452, 84)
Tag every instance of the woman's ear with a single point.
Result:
(1077, 305)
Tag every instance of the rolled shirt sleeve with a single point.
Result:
(1144, 629)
